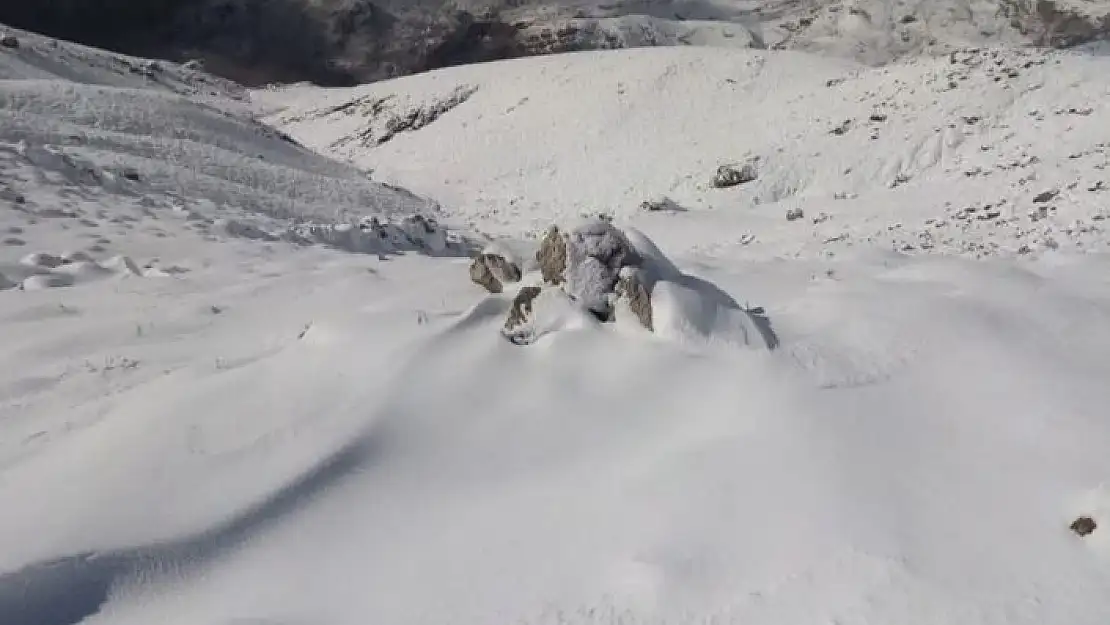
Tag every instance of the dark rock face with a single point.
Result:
(342, 42)
(1054, 24)
(328, 42)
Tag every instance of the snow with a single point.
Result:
(199, 424)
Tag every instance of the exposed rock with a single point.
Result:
(1046, 196)
(795, 214)
(1084, 526)
(842, 128)
(43, 260)
(481, 274)
(521, 309)
(731, 175)
(633, 287)
(661, 204)
(497, 267)
(8, 40)
(1057, 24)
(552, 256)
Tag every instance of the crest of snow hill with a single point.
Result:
(596, 270)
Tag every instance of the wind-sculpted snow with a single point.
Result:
(870, 387)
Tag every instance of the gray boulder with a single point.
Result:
(733, 175)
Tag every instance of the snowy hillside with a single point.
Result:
(982, 152)
(836, 354)
(107, 154)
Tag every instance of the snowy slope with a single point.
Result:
(287, 434)
(947, 154)
(103, 155)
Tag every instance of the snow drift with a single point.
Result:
(288, 434)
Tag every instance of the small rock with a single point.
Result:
(842, 128)
(730, 175)
(795, 214)
(1046, 196)
(899, 180)
(552, 256)
(521, 309)
(42, 260)
(878, 117)
(632, 287)
(9, 41)
(1084, 526)
(131, 174)
(480, 274)
(505, 270)
(661, 204)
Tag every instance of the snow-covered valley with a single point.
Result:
(243, 383)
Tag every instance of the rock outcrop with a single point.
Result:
(1059, 23)
(634, 289)
(594, 266)
(733, 175)
(342, 42)
(492, 271)
(521, 309)
(552, 256)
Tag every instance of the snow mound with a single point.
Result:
(41, 270)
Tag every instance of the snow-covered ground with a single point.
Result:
(247, 419)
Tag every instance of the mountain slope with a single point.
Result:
(231, 425)
(133, 150)
(336, 42)
(943, 155)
